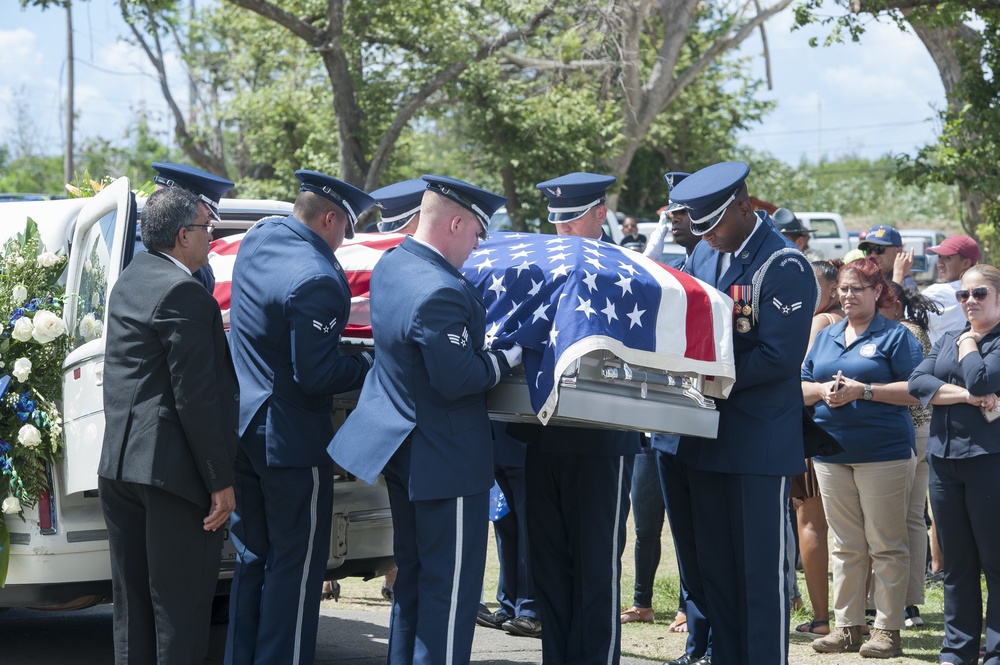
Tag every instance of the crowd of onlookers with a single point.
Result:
(906, 382)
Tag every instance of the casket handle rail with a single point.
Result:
(625, 373)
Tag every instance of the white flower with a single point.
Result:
(48, 259)
(23, 328)
(22, 369)
(90, 327)
(29, 436)
(10, 506)
(19, 293)
(48, 326)
(19, 260)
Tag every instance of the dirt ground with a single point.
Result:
(653, 641)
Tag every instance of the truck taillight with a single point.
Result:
(47, 509)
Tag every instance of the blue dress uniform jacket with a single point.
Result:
(290, 304)
(421, 420)
(760, 425)
(738, 482)
(430, 380)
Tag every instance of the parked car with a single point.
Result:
(59, 551)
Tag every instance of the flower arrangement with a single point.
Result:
(33, 345)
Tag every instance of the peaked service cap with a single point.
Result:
(480, 201)
(708, 192)
(572, 195)
(398, 203)
(209, 188)
(350, 198)
(674, 178)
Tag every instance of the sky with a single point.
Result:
(866, 100)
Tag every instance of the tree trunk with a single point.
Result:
(946, 46)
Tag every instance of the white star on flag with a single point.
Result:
(585, 307)
(521, 268)
(519, 255)
(557, 257)
(521, 246)
(592, 250)
(487, 263)
(540, 313)
(590, 280)
(497, 285)
(561, 270)
(553, 333)
(594, 261)
(625, 283)
(609, 311)
(627, 266)
(635, 316)
(482, 252)
(535, 287)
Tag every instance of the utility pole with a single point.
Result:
(68, 157)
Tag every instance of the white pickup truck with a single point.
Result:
(59, 552)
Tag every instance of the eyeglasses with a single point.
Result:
(853, 290)
(878, 250)
(978, 293)
(208, 227)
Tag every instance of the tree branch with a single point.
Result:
(293, 24)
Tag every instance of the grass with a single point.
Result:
(654, 642)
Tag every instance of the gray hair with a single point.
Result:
(165, 213)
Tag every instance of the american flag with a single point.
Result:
(561, 298)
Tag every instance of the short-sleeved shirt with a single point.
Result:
(869, 431)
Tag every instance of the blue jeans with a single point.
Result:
(648, 513)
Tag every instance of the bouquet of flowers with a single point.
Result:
(33, 345)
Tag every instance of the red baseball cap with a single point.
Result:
(958, 244)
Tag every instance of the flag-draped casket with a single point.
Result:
(611, 338)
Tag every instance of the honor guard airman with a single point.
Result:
(421, 421)
(290, 304)
(209, 188)
(739, 481)
(578, 483)
(399, 205)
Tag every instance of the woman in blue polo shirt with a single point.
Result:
(855, 375)
(961, 378)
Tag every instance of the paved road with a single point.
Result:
(345, 636)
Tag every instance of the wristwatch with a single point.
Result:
(867, 394)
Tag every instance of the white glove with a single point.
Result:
(513, 355)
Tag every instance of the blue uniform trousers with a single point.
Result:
(577, 511)
(964, 495)
(515, 589)
(676, 489)
(647, 515)
(440, 551)
(281, 531)
(739, 529)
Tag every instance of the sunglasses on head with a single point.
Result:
(978, 293)
(875, 249)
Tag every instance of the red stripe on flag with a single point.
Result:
(700, 342)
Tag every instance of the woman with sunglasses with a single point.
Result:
(855, 375)
(961, 377)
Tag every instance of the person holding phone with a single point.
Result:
(855, 375)
(961, 378)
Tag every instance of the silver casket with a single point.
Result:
(611, 338)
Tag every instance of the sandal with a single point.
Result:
(640, 614)
(809, 629)
(679, 624)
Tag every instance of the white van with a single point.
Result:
(59, 552)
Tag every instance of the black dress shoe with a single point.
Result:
(688, 659)
(524, 626)
(491, 619)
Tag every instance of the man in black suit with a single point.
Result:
(171, 407)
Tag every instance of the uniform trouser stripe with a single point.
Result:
(782, 577)
(313, 508)
(615, 561)
(456, 578)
